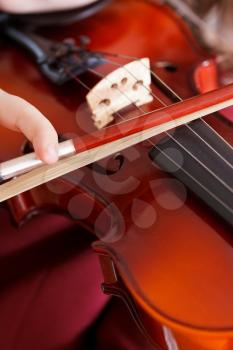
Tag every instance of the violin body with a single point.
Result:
(162, 250)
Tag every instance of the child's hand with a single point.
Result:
(26, 6)
(19, 115)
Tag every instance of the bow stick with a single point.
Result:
(80, 152)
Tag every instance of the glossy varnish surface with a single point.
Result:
(174, 256)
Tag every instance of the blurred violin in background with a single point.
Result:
(137, 99)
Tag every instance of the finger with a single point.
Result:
(26, 6)
(19, 115)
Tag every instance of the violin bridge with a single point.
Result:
(125, 86)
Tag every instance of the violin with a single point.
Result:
(160, 209)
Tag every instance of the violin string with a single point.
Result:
(173, 138)
(194, 18)
(128, 71)
(180, 99)
(202, 164)
(167, 133)
(79, 81)
(123, 120)
(166, 87)
(195, 180)
(172, 160)
(102, 76)
(164, 104)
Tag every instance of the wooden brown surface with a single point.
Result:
(174, 256)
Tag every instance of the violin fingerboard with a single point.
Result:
(202, 161)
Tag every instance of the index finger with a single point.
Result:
(19, 115)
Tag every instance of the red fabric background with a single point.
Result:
(50, 296)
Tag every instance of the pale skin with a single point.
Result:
(27, 6)
(16, 113)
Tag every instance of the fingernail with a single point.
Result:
(51, 155)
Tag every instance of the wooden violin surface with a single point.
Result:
(162, 249)
(112, 30)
